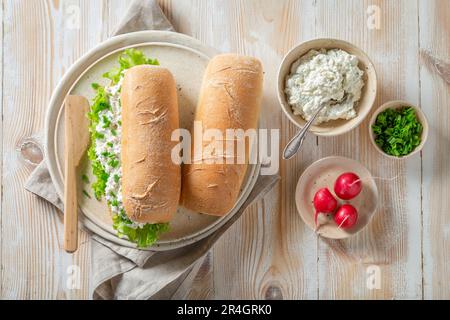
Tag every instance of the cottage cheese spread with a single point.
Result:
(108, 150)
(325, 76)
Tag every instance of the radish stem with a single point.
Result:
(356, 181)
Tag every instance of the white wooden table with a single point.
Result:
(269, 253)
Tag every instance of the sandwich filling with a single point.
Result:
(105, 149)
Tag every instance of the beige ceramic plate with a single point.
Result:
(187, 59)
(323, 173)
(334, 127)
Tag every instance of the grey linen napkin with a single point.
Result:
(124, 273)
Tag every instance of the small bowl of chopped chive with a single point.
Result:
(398, 129)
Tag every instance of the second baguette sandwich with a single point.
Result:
(230, 98)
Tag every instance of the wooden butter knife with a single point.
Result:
(76, 142)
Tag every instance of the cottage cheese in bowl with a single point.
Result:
(325, 76)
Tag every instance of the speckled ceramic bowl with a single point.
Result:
(323, 173)
(334, 127)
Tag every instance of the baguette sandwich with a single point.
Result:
(132, 119)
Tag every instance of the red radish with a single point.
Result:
(346, 216)
(324, 202)
(347, 186)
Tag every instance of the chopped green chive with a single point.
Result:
(106, 122)
(113, 163)
(397, 131)
(86, 194)
(106, 154)
(85, 178)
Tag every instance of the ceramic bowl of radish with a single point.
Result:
(336, 197)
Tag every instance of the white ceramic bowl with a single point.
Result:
(334, 127)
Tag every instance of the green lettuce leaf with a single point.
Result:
(143, 237)
(99, 103)
(129, 58)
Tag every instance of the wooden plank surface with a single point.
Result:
(1, 148)
(34, 266)
(435, 101)
(343, 263)
(269, 253)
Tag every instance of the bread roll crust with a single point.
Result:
(230, 98)
(151, 182)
